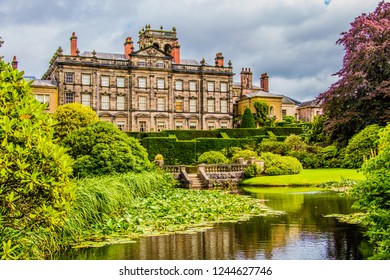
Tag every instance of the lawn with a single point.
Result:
(306, 177)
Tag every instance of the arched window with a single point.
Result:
(271, 111)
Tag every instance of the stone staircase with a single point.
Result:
(196, 181)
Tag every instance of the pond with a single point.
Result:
(303, 233)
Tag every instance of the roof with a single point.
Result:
(43, 83)
(289, 100)
(311, 103)
(116, 56)
(261, 93)
(189, 61)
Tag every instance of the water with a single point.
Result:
(302, 234)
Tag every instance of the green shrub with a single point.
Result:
(280, 165)
(248, 121)
(212, 157)
(252, 170)
(71, 117)
(295, 143)
(273, 146)
(245, 154)
(101, 148)
(361, 146)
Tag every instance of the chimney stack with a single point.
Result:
(14, 63)
(264, 82)
(175, 52)
(128, 47)
(73, 44)
(219, 60)
(246, 81)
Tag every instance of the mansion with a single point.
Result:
(153, 88)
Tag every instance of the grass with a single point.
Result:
(306, 178)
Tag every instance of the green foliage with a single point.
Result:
(248, 120)
(244, 132)
(71, 117)
(317, 132)
(285, 131)
(101, 148)
(261, 114)
(245, 154)
(273, 146)
(373, 196)
(159, 157)
(213, 157)
(288, 119)
(35, 188)
(252, 170)
(280, 165)
(361, 146)
(295, 143)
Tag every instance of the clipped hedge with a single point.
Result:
(285, 131)
(243, 132)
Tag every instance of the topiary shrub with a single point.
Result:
(101, 148)
(280, 165)
(71, 117)
(248, 121)
(212, 157)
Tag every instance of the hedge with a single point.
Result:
(243, 132)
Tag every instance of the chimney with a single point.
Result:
(246, 81)
(219, 60)
(73, 44)
(128, 47)
(14, 63)
(175, 52)
(264, 83)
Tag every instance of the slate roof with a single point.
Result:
(261, 93)
(311, 103)
(43, 83)
(116, 56)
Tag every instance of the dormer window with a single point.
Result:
(141, 63)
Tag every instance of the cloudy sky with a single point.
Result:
(292, 40)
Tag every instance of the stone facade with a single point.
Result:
(150, 89)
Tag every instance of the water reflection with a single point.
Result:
(303, 233)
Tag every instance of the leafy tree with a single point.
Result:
(362, 146)
(101, 148)
(212, 157)
(248, 121)
(373, 196)
(361, 96)
(71, 117)
(317, 131)
(35, 187)
(261, 114)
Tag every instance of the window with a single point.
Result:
(120, 82)
(161, 104)
(193, 105)
(69, 97)
(142, 126)
(179, 85)
(86, 99)
(210, 86)
(223, 87)
(224, 124)
(224, 106)
(179, 105)
(271, 111)
(211, 125)
(210, 105)
(160, 64)
(120, 102)
(160, 83)
(141, 63)
(142, 82)
(121, 125)
(69, 78)
(192, 86)
(284, 112)
(160, 125)
(105, 105)
(142, 103)
(179, 124)
(193, 125)
(105, 81)
(85, 79)
(43, 98)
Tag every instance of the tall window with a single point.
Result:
(224, 106)
(85, 79)
(69, 78)
(210, 105)
(223, 87)
(43, 98)
(105, 81)
(210, 86)
(161, 104)
(160, 83)
(179, 104)
(120, 102)
(142, 82)
(179, 85)
(120, 82)
(271, 111)
(284, 112)
(142, 103)
(193, 105)
(69, 97)
(105, 102)
(86, 99)
(142, 126)
(192, 86)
